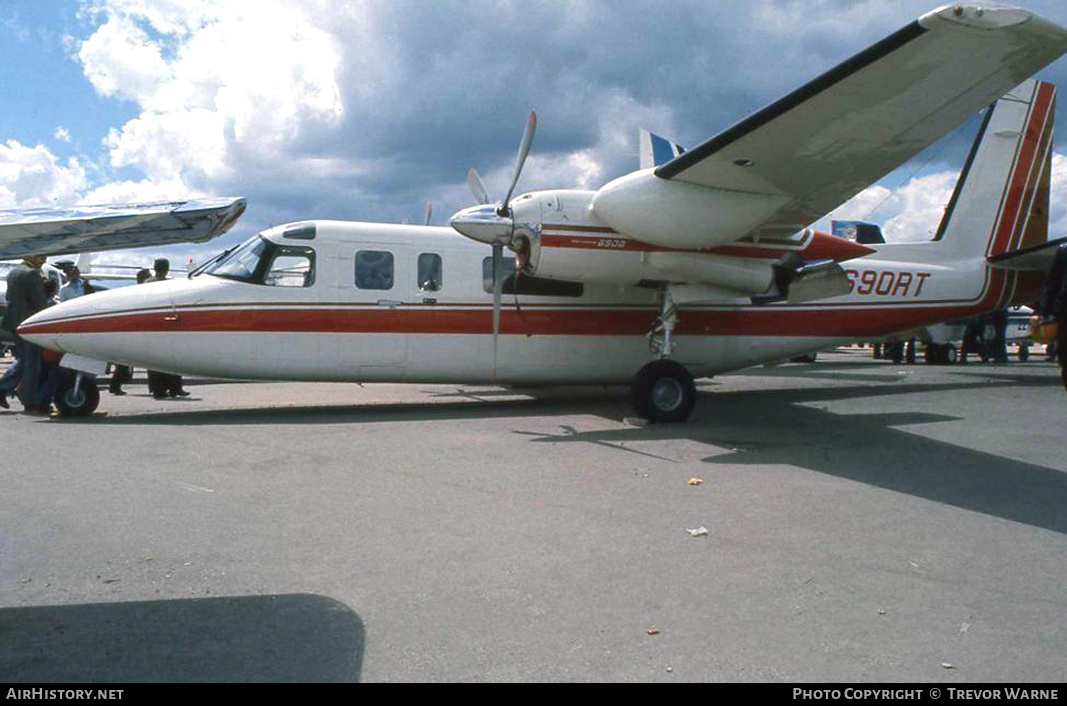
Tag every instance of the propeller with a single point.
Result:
(474, 181)
(495, 225)
(520, 159)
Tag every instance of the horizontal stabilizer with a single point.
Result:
(1036, 258)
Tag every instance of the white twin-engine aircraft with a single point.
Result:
(700, 265)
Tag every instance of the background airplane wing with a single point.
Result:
(114, 227)
(825, 142)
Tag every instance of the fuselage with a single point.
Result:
(344, 301)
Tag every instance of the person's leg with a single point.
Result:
(1060, 343)
(119, 375)
(31, 374)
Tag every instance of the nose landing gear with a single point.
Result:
(76, 395)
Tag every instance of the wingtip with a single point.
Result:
(985, 16)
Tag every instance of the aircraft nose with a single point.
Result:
(482, 223)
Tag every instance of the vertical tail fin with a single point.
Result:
(655, 150)
(1001, 200)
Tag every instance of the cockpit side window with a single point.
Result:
(374, 269)
(291, 267)
(431, 272)
(259, 261)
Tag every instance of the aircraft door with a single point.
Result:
(374, 284)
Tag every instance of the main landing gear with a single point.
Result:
(663, 390)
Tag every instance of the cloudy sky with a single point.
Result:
(366, 109)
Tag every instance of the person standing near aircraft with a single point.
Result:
(25, 297)
(75, 286)
(1053, 304)
(122, 374)
(163, 385)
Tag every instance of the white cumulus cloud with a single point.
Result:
(33, 177)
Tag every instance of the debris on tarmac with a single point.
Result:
(698, 532)
(946, 665)
(653, 631)
(635, 421)
(695, 481)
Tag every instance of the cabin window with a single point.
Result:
(291, 267)
(374, 269)
(431, 272)
(518, 283)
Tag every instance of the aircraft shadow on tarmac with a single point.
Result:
(762, 426)
(765, 427)
(279, 638)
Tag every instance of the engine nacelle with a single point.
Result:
(603, 259)
(680, 215)
(558, 235)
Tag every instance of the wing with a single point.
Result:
(796, 160)
(114, 227)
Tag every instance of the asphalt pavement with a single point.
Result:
(864, 522)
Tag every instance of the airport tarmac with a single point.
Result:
(865, 522)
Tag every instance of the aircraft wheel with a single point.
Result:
(663, 391)
(951, 354)
(80, 404)
(1024, 352)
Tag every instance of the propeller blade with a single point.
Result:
(477, 188)
(520, 159)
(429, 213)
(498, 290)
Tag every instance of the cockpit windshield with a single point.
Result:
(242, 262)
(259, 261)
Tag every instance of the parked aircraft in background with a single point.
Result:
(87, 229)
(700, 265)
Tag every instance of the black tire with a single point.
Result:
(1024, 353)
(81, 405)
(951, 355)
(663, 391)
(809, 358)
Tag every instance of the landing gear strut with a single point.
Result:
(659, 338)
(663, 390)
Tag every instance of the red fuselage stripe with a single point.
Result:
(753, 321)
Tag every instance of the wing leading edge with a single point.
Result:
(114, 227)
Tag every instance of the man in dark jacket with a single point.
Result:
(1053, 304)
(25, 297)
